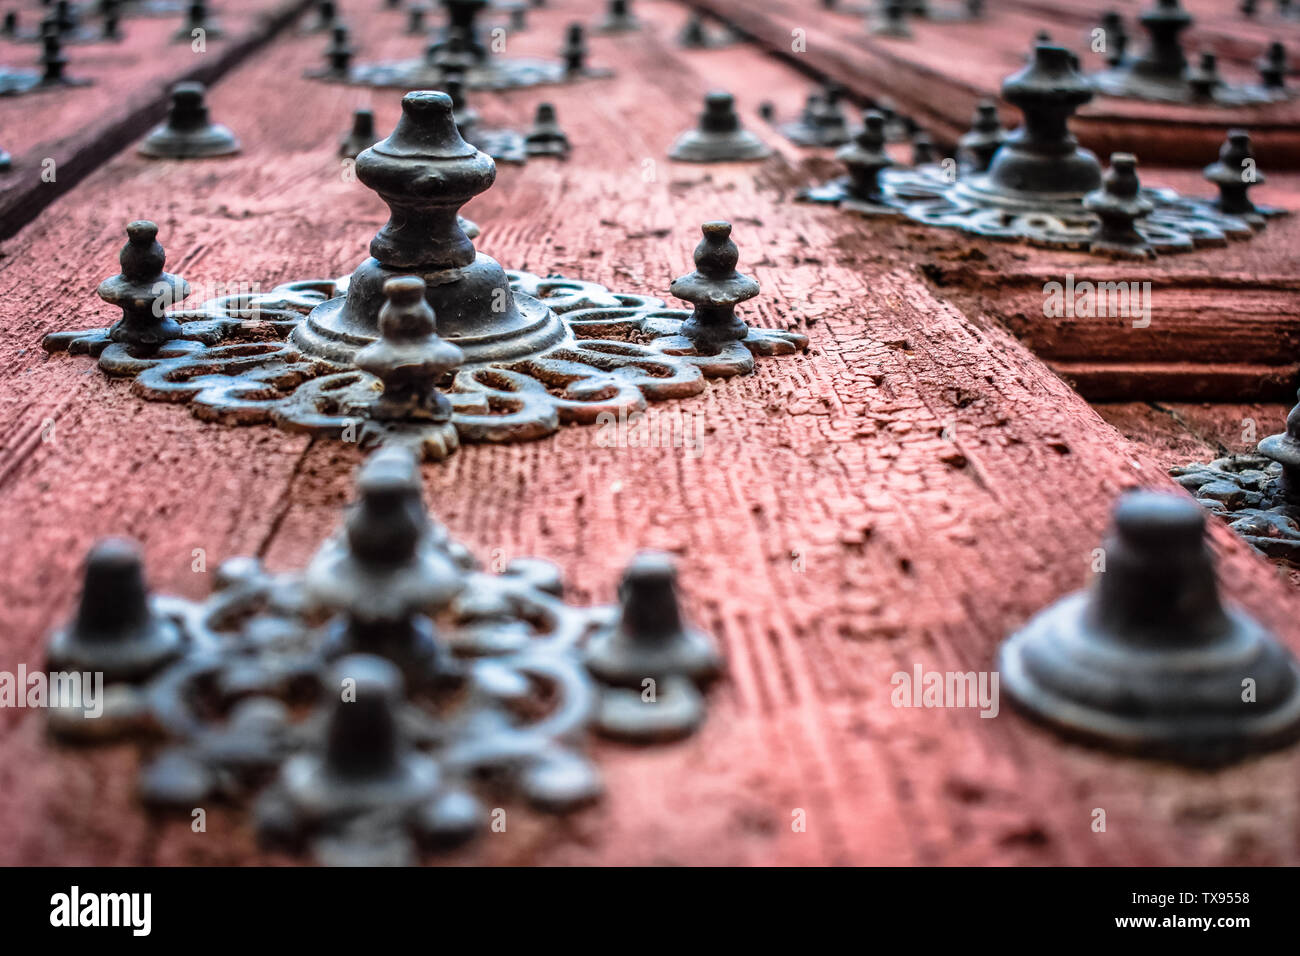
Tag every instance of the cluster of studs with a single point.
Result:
(456, 49)
(427, 674)
(1037, 185)
(560, 351)
(1161, 71)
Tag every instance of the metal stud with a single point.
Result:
(197, 18)
(338, 54)
(6, 162)
(651, 658)
(574, 51)
(719, 138)
(715, 288)
(1235, 172)
(1273, 68)
(546, 138)
(619, 18)
(143, 291)
(53, 73)
(985, 138)
(117, 631)
(362, 135)
(889, 19)
(696, 34)
(865, 159)
(822, 121)
(1204, 78)
(327, 17)
(923, 152)
(1118, 205)
(1116, 37)
(415, 15)
(1285, 450)
(1149, 661)
(188, 132)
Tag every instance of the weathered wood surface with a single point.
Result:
(939, 75)
(78, 128)
(906, 493)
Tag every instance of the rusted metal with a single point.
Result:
(1036, 183)
(1149, 661)
(719, 137)
(536, 353)
(189, 132)
(410, 717)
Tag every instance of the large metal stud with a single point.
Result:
(143, 291)
(425, 171)
(1285, 450)
(1149, 661)
(117, 631)
(652, 659)
(189, 133)
(719, 138)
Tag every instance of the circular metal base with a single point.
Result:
(696, 146)
(1183, 704)
(167, 143)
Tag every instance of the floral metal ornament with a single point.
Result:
(365, 358)
(431, 679)
(1258, 495)
(1040, 187)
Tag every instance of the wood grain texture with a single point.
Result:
(939, 75)
(907, 492)
(81, 127)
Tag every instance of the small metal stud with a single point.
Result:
(923, 152)
(546, 138)
(188, 132)
(574, 51)
(143, 291)
(197, 17)
(116, 630)
(1149, 661)
(1248, 8)
(651, 649)
(415, 19)
(361, 137)
(410, 358)
(865, 158)
(1204, 78)
(1235, 172)
(889, 19)
(619, 18)
(719, 138)
(1273, 68)
(339, 53)
(715, 288)
(985, 138)
(326, 17)
(465, 116)
(1118, 205)
(1116, 36)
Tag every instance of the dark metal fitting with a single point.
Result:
(188, 132)
(1149, 661)
(619, 18)
(197, 18)
(143, 291)
(116, 631)
(889, 19)
(985, 138)
(1118, 205)
(719, 138)
(546, 138)
(715, 288)
(1285, 450)
(865, 158)
(361, 137)
(1235, 173)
